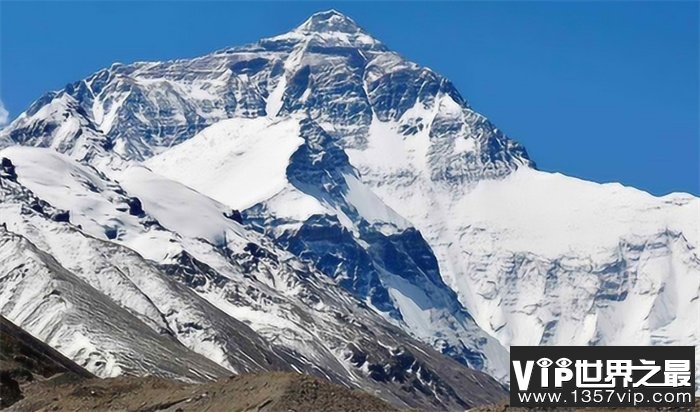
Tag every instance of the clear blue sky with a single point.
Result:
(606, 91)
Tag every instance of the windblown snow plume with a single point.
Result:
(4, 114)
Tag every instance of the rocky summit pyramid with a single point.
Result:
(316, 202)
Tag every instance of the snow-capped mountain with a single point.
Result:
(327, 68)
(123, 279)
(354, 182)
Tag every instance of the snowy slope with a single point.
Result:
(56, 306)
(541, 258)
(140, 287)
(243, 162)
(316, 182)
(250, 155)
(215, 289)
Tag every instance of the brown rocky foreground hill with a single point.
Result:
(265, 392)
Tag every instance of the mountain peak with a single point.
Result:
(329, 21)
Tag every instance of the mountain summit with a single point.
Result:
(329, 21)
(327, 29)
